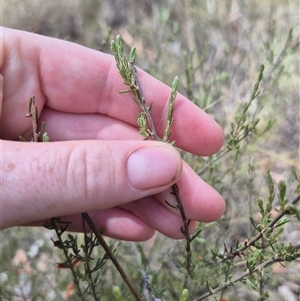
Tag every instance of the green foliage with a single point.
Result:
(169, 117)
(128, 72)
(241, 69)
(117, 293)
(184, 295)
(263, 249)
(79, 258)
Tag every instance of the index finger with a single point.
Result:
(71, 78)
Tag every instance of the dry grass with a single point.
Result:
(230, 39)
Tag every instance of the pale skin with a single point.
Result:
(96, 162)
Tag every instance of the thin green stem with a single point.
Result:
(258, 268)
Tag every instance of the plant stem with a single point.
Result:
(175, 190)
(87, 260)
(261, 233)
(70, 263)
(128, 71)
(110, 254)
(258, 268)
(141, 101)
(269, 226)
(184, 229)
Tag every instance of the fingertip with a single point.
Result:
(219, 137)
(155, 166)
(211, 204)
(216, 208)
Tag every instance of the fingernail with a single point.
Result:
(153, 167)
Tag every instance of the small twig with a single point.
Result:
(184, 229)
(87, 260)
(140, 99)
(110, 254)
(236, 135)
(128, 72)
(175, 189)
(220, 155)
(258, 268)
(278, 61)
(61, 244)
(252, 242)
(269, 226)
(147, 291)
(227, 275)
(33, 114)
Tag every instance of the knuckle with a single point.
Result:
(88, 173)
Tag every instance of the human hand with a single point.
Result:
(97, 161)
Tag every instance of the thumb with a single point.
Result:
(43, 180)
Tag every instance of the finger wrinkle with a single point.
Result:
(108, 80)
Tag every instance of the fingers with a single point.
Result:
(115, 222)
(70, 126)
(77, 95)
(43, 180)
(199, 200)
(159, 217)
(70, 78)
(134, 221)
